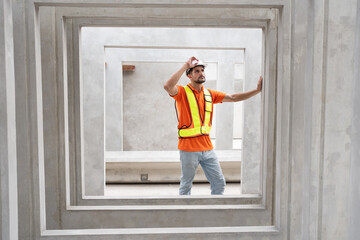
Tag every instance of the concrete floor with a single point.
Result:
(138, 190)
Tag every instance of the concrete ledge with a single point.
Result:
(162, 167)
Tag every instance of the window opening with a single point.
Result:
(139, 118)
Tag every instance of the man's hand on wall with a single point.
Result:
(259, 84)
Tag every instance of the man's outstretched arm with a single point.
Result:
(170, 85)
(236, 97)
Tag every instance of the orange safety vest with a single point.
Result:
(198, 126)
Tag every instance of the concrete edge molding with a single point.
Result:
(270, 193)
(76, 22)
(8, 147)
(163, 3)
(354, 192)
(39, 118)
(170, 207)
(163, 231)
(94, 22)
(67, 187)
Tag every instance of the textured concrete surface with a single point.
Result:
(143, 190)
(314, 148)
(8, 157)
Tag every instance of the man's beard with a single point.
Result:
(200, 80)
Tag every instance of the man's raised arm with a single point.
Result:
(170, 85)
(236, 97)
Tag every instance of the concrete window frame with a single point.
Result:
(177, 51)
(259, 211)
(162, 166)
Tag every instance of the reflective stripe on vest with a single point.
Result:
(197, 128)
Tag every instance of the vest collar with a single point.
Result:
(194, 90)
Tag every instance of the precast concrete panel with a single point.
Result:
(308, 147)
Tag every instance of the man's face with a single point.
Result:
(197, 74)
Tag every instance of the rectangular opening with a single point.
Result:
(84, 199)
(140, 124)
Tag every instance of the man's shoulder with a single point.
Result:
(180, 88)
(217, 96)
(212, 91)
(179, 93)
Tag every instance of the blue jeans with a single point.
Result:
(209, 163)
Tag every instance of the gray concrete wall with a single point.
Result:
(338, 115)
(146, 126)
(354, 189)
(26, 115)
(8, 157)
(163, 167)
(323, 53)
(317, 142)
(146, 82)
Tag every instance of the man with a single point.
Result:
(194, 106)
